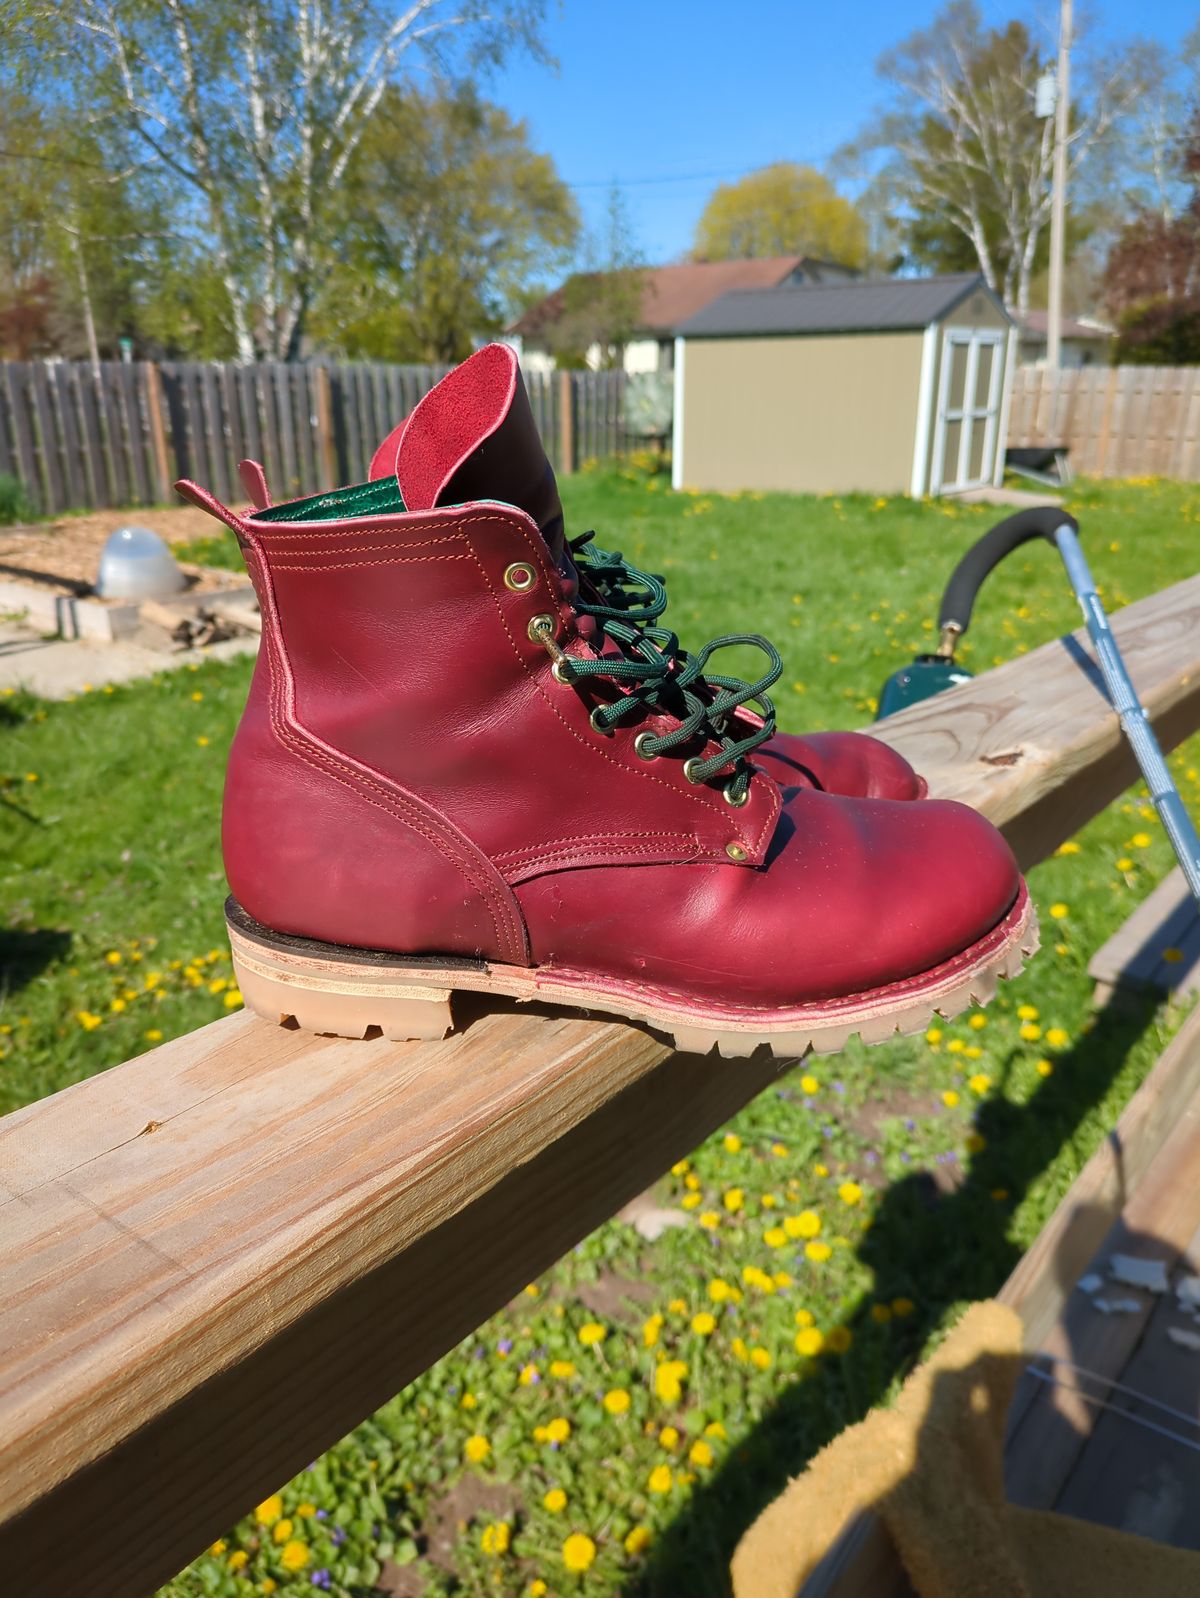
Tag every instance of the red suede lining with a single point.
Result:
(451, 422)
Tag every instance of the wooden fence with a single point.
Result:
(220, 1256)
(1117, 421)
(79, 438)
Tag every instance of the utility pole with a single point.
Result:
(1058, 197)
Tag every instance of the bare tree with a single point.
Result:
(963, 148)
(251, 111)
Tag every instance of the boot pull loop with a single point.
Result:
(254, 481)
(203, 500)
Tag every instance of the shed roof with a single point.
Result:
(874, 305)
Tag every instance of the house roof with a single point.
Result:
(869, 305)
(671, 294)
(1033, 325)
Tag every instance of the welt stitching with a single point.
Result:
(334, 563)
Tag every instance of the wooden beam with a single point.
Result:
(184, 1235)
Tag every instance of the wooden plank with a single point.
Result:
(165, 472)
(74, 466)
(354, 463)
(16, 382)
(136, 431)
(1106, 421)
(48, 442)
(326, 440)
(1041, 761)
(1134, 956)
(171, 376)
(8, 454)
(197, 431)
(1127, 1475)
(220, 479)
(95, 454)
(566, 423)
(252, 433)
(1158, 1221)
(232, 409)
(191, 1234)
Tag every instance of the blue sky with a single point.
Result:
(671, 96)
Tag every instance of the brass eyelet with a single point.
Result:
(731, 799)
(520, 577)
(736, 852)
(561, 671)
(689, 769)
(541, 628)
(639, 746)
(605, 732)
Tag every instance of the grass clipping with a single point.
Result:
(932, 1468)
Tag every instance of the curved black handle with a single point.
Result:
(1040, 521)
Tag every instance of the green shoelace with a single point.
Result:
(660, 676)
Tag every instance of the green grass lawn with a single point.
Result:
(617, 1427)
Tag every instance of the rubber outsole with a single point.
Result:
(358, 993)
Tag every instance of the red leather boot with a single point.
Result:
(836, 762)
(449, 776)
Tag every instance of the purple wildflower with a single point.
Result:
(321, 1578)
(504, 1346)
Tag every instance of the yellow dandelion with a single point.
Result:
(555, 1500)
(617, 1401)
(805, 1317)
(269, 1511)
(732, 1142)
(592, 1334)
(850, 1193)
(477, 1448)
(1057, 1037)
(775, 1237)
(977, 1022)
(818, 1252)
(760, 1359)
(660, 1479)
(809, 1085)
(806, 1224)
(650, 1332)
(88, 1021)
(979, 1083)
(704, 1324)
(294, 1555)
(719, 1290)
(690, 1201)
(668, 1438)
(710, 1220)
(1027, 1012)
(637, 1539)
(238, 1559)
(496, 1538)
(700, 1454)
(281, 1530)
(1140, 840)
(1060, 911)
(1070, 847)
(934, 1035)
(1044, 1068)
(559, 1429)
(734, 1199)
(1031, 1032)
(809, 1342)
(902, 1308)
(1124, 863)
(669, 1378)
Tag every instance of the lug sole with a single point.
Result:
(357, 993)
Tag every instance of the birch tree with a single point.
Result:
(962, 148)
(250, 112)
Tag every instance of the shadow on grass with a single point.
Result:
(25, 955)
(938, 1249)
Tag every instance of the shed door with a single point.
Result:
(968, 412)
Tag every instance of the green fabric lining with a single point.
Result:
(380, 498)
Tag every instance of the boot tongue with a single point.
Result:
(473, 437)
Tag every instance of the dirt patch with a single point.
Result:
(610, 1293)
(400, 1581)
(470, 1499)
(64, 555)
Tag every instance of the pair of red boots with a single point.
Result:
(469, 762)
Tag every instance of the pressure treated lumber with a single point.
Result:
(218, 1258)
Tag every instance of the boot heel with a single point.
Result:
(322, 988)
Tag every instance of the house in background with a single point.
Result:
(670, 295)
(1085, 340)
(888, 386)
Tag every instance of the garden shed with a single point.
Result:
(888, 386)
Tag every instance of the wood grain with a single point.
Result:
(174, 1229)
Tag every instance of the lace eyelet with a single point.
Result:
(689, 769)
(736, 852)
(605, 732)
(639, 747)
(561, 672)
(540, 628)
(731, 798)
(520, 577)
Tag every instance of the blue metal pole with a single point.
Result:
(1134, 720)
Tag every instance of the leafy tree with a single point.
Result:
(602, 304)
(449, 219)
(783, 209)
(961, 154)
(1152, 276)
(250, 112)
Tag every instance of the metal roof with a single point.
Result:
(873, 305)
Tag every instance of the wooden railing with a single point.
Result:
(220, 1257)
(77, 436)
